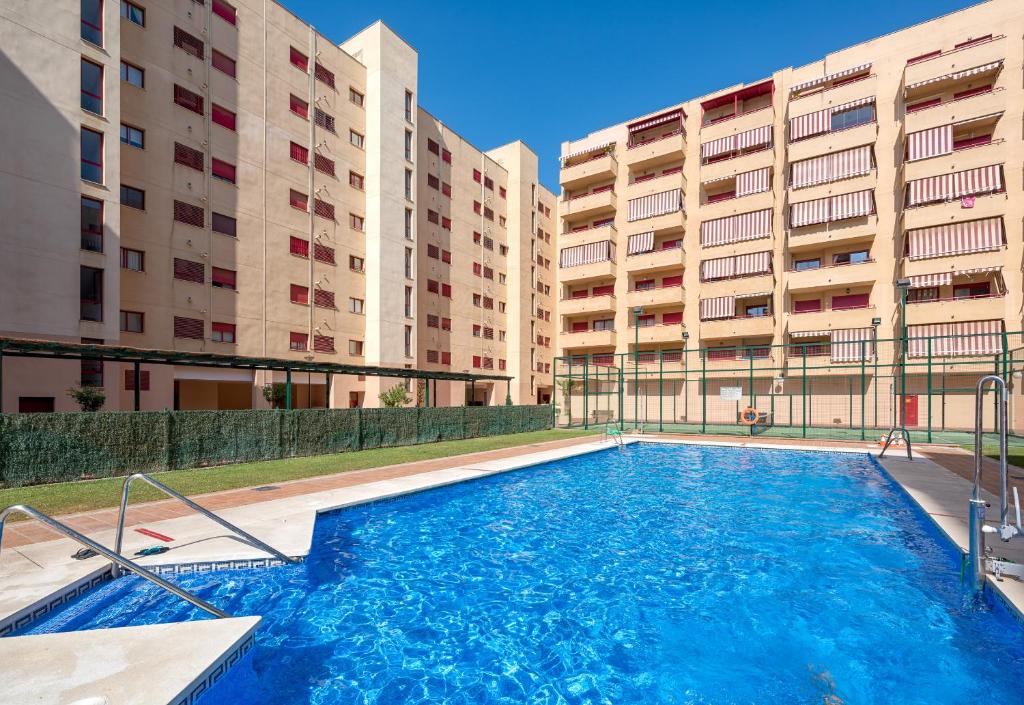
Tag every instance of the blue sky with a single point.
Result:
(546, 72)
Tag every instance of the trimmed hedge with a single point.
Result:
(38, 448)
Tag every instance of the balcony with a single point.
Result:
(838, 95)
(987, 206)
(587, 272)
(833, 188)
(846, 232)
(656, 261)
(737, 165)
(737, 286)
(586, 305)
(587, 339)
(954, 263)
(655, 183)
(953, 60)
(749, 120)
(662, 224)
(734, 206)
(608, 231)
(656, 297)
(656, 151)
(958, 160)
(976, 308)
(952, 111)
(738, 327)
(839, 319)
(660, 333)
(835, 141)
(832, 277)
(600, 167)
(591, 204)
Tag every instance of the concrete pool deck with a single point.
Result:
(38, 576)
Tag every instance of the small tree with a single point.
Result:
(566, 386)
(88, 397)
(396, 396)
(276, 394)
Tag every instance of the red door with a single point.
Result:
(910, 410)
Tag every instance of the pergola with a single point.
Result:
(54, 350)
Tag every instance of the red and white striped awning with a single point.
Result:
(717, 308)
(977, 270)
(655, 204)
(670, 116)
(796, 335)
(758, 137)
(587, 150)
(985, 235)
(809, 212)
(831, 167)
(926, 281)
(637, 244)
(960, 339)
(755, 181)
(720, 146)
(820, 121)
(753, 263)
(945, 187)
(930, 143)
(852, 344)
(956, 76)
(587, 254)
(852, 205)
(830, 77)
(718, 268)
(736, 228)
(753, 295)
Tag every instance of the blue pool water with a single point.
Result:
(654, 574)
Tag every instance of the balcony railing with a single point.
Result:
(967, 45)
(911, 110)
(946, 299)
(642, 143)
(824, 309)
(706, 121)
(793, 270)
(833, 87)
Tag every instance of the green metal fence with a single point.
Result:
(36, 448)
(814, 389)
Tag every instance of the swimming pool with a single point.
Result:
(651, 574)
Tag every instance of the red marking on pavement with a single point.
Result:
(155, 535)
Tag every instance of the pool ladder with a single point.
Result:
(978, 558)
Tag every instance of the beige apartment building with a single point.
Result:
(782, 212)
(219, 177)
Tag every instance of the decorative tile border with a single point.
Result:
(209, 566)
(21, 619)
(215, 672)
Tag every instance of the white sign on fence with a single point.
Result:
(731, 393)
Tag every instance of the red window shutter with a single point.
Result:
(923, 104)
(323, 209)
(446, 324)
(476, 361)
(446, 156)
(807, 305)
(298, 200)
(190, 271)
(849, 301)
(187, 156)
(190, 44)
(298, 341)
(225, 11)
(501, 364)
(323, 253)
(191, 328)
(298, 59)
(129, 380)
(188, 100)
(672, 281)
(433, 147)
(446, 290)
(971, 142)
(582, 293)
(446, 223)
(298, 246)
(323, 299)
(323, 343)
(446, 256)
(605, 290)
(446, 189)
(477, 268)
(580, 327)
(323, 164)
(189, 214)
(973, 91)
(222, 62)
(223, 117)
(432, 286)
(299, 153)
(223, 170)
(924, 57)
(224, 278)
(672, 318)
(323, 75)
(299, 294)
(299, 106)
(477, 175)
(446, 358)
(224, 328)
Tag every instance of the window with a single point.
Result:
(446, 358)
(433, 147)
(446, 156)
(298, 341)
(847, 301)
(188, 156)
(299, 294)
(189, 100)
(323, 164)
(189, 214)
(189, 271)
(488, 183)
(323, 253)
(356, 264)
(133, 136)
(408, 184)
(446, 323)
(324, 120)
(133, 74)
(807, 306)
(446, 189)
(355, 347)
(132, 322)
(298, 200)
(916, 296)
(446, 291)
(189, 44)
(224, 278)
(133, 197)
(970, 291)
(323, 75)
(92, 21)
(298, 246)
(356, 222)
(323, 298)
(408, 145)
(92, 224)
(91, 294)
(802, 265)
(133, 13)
(355, 305)
(851, 257)
(298, 59)
(355, 180)
(408, 341)
(408, 302)
(323, 343)
(433, 216)
(222, 332)
(408, 263)
(222, 62)
(224, 224)
(222, 170)
(432, 356)
(134, 260)
(299, 153)
(299, 107)
(756, 311)
(191, 328)
(323, 209)
(355, 138)
(92, 87)
(433, 182)
(432, 320)
(91, 369)
(853, 117)
(502, 192)
(408, 106)
(225, 11)
(408, 224)
(432, 286)
(476, 177)
(355, 96)
(92, 155)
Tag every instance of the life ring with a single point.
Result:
(749, 416)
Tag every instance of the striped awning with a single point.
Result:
(720, 146)
(977, 270)
(717, 308)
(820, 121)
(758, 137)
(985, 235)
(670, 116)
(810, 333)
(960, 339)
(587, 150)
(753, 181)
(930, 143)
(831, 167)
(956, 76)
(946, 187)
(830, 77)
(754, 295)
(809, 212)
(637, 244)
(655, 204)
(736, 228)
(926, 281)
(587, 254)
(718, 268)
(852, 344)
(832, 208)
(753, 263)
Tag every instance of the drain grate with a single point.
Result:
(265, 488)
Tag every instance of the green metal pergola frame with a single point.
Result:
(54, 350)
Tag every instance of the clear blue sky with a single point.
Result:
(545, 72)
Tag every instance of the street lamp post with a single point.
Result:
(686, 376)
(637, 310)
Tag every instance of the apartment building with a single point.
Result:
(218, 176)
(782, 212)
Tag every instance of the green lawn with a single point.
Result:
(67, 497)
(1014, 453)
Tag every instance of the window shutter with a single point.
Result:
(323, 253)
(189, 214)
(191, 328)
(187, 270)
(187, 156)
(190, 44)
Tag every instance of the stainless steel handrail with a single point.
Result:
(114, 556)
(976, 546)
(904, 434)
(246, 536)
